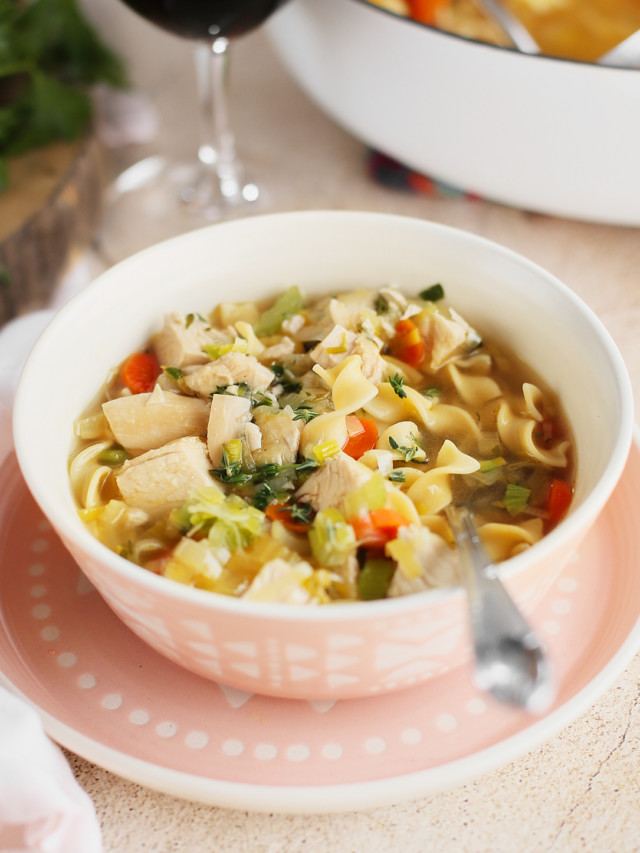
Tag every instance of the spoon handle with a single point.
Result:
(510, 661)
(512, 26)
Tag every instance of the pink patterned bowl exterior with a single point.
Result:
(346, 650)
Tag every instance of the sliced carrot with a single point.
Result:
(375, 528)
(407, 344)
(388, 520)
(367, 534)
(362, 436)
(282, 513)
(140, 371)
(558, 500)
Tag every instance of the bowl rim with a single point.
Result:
(489, 45)
(75, 532)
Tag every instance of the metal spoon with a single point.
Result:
(510, 660)
(626, 54)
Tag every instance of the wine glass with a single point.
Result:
(164, 198)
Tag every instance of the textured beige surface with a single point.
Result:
(580, 791)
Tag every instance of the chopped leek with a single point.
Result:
(374, 579)
(215, 351)
(492, 464)
(326, 449)
(332, 540)
(233, 451)
(516, 498)
(287, 304)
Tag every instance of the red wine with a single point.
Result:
(206, 19)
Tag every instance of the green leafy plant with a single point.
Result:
(49, 57)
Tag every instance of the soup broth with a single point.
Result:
(304, 451)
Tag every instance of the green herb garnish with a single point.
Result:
(397, 477)
(433, 293)
(396, 383)
(174, 372)
(381, 304)
(49, 56)
(304, 412)
(286, 378)
(407, 452)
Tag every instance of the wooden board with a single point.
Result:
(49, 212)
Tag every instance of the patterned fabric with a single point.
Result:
(389, 173)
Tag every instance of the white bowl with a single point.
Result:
(544, 134)
(353, 649)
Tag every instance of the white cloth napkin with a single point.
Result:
(42, 807)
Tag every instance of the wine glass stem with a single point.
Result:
(217, 150)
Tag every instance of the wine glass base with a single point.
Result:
(155, 199)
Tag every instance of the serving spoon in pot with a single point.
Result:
(510, 662)
(626, 54)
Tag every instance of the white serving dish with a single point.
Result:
(549, 135)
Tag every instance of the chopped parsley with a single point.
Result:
(232, 473)
(189, 319)
(286, 378)
(433, 293)
(381, 304)
(174, 372)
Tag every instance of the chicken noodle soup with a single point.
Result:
(304, 452)
(574, 29)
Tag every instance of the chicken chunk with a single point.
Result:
(445, 338)
(281, 582)
(276, 352)
(280, 436)
(161, 479)
(142, 422)
(227, 420)
(329, 485)
(232, 368)
(181, 340)
(440, 564)
(333, 348)
(340, 343)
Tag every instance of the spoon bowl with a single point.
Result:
(510, 660)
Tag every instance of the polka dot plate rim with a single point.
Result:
(105, 695)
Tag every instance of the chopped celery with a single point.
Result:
(228, 522)
(288, 303)
(516, 498)
(331, 538)
(492, 464)
(374, 579)
(371, 495)
(112, 456)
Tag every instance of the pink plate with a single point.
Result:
(107, 696)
